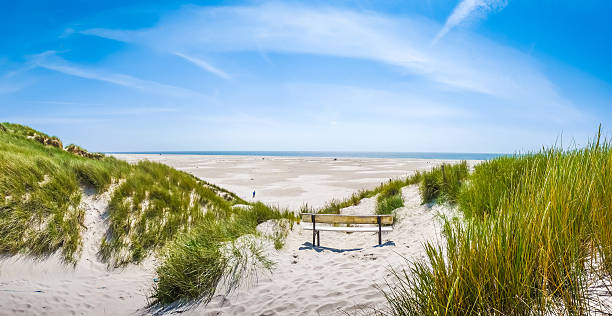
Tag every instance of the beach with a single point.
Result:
(342, 276)
(292, 182)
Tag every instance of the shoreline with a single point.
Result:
(327, 154)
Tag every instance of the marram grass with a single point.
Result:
(439, 184)
(153, 207)
(390, 197)
(40, 193)
(442, 183)
(388, 200)
(534, 227)
(194, 263)
(150, 207)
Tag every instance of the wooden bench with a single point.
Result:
(379, 220)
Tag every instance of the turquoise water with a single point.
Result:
(331, 154)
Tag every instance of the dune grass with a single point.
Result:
(388, 189)
(153, 207)
(443, 183)
(194, 263)
(334, 206)
(534, 229)
(40, 193)
(390, 197)
(191, 222)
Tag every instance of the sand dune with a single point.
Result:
(48, 286)
(342, 275)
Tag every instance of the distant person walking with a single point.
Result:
(253, 193)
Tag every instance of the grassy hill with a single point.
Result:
(152, 205)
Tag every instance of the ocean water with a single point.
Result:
(330, 154)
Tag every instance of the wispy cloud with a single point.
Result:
(102, 109)
(67, 103)
(121, 80)
(60, 65)
(204, 65)
(10, 81)
(6, 88)
(468, 9)
(72, 120)
(476, 65)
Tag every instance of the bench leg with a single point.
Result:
(318, 239)
(379, 231)
(314, 228)
(314, 235)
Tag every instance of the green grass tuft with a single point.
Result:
(390, 197)
(194, 264)
(334, 206)
(443, 183)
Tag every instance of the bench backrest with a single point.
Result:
(348, 219)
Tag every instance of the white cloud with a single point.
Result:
(204, 65)
(11, 81)
(30, 120)
(8, 87)
(102, 109)
(467, 9)
(67, 103)
(474, 83)
(473, 65)
(60, 65)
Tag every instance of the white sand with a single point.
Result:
(48, 286)
(291, 181)
(339, 277)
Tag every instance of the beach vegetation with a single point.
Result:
(334, 206)
(195, 262)
(153, 205)
(192, 224)
(533, 238)
(40, 193)
(442, 183)
(391, 198)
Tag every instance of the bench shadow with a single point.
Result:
(310, 246)
(388, 243)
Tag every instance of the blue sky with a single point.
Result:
(441, 76)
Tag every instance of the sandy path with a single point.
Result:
(342, 275)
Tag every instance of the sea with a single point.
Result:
(331, 154)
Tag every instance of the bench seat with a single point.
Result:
(310, 221)
(361, 229)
